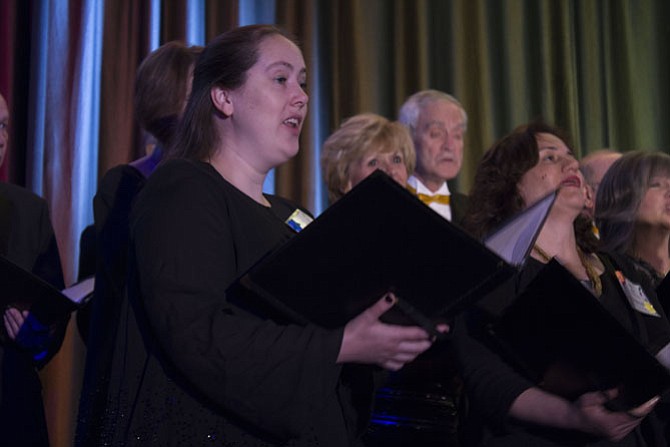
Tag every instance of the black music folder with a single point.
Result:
(377, 238)
(559, 333)
(24, 290)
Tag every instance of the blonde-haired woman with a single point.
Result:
(363, 144)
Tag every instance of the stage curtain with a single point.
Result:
(597, 68)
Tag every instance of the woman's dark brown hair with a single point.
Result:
(621, 191)
(223, 63)
(161, 88)
(495, 195)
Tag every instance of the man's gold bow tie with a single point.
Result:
(442, 199)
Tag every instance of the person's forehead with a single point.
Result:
(441, 108)
(550, 141)
(277, 49)
(441, 113)
(602, 164)
(382, 147)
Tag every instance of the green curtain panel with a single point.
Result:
(597, 68)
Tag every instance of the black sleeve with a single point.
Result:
(271, 376)
(492, 384)
(492, 374)
(116, 191)
(112, 205)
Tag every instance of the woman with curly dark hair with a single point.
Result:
(518, 170)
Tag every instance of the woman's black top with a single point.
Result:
(189, 367)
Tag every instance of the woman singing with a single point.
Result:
(518, 170)
(206, 371)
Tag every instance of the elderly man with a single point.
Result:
(27, 239)
(437, 123)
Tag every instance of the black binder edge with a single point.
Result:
(45, 310)
(256, 298)
(621, 403)
(247, 294)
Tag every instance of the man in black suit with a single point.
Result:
(27, 239)
(437, 123)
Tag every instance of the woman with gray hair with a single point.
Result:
(633, 210)
(633, 215)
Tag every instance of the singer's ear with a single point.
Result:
(222, 100)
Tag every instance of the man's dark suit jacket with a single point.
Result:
(459, 205)
(26, 238)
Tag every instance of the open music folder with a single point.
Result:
(380, 238)
(564, 339)
(24, 290)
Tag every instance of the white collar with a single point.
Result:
(422, 189)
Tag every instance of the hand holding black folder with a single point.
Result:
(23, 290)
(377, 238)
(559, 333)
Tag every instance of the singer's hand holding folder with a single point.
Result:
(24, 290)
(377, 238)
(556, 329)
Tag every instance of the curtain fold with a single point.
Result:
(61, 161)
(126, 33)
